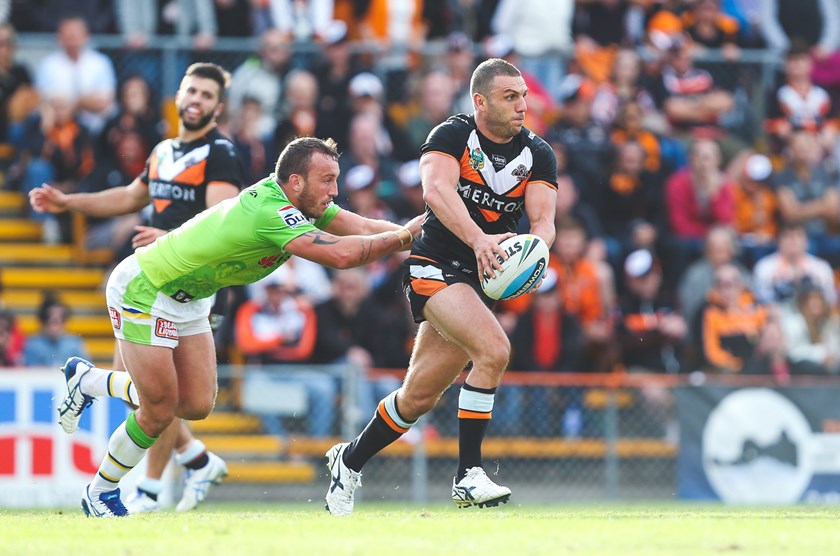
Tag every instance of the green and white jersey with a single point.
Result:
(237, 241)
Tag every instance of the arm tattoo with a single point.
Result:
(364, 252)
(322, 238)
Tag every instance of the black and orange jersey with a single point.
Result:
(178, 175)
(492, 184)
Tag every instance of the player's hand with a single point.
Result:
(415, 225)
(145, 235)
(488, 254)
(47, 199)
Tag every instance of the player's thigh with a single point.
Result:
(435, 363)
(152, 371)
(195, 362)
(462, 318)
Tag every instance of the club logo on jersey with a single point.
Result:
(476, 161)
(291, 216)
(268, 262)
(166, 329)
(520, 172)
(498, 160)
(116, 321)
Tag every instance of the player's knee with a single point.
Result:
(195, 410)
(154, 418)
(494, 356)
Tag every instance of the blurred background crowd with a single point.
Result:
(699, 190)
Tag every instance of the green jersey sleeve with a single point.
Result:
(283, 222)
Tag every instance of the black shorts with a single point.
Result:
(424, 277)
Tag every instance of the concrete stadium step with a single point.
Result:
(83, 325)
(270, 472)
(28, 300)
(37, 253)
(12, 202)
(220, 422)
(51, 278)
(244, 445)
(19, 229)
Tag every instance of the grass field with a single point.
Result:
(400, 531)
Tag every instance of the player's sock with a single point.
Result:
(475, 408)
(194, 455)
(126, 448)
(150, 487)
(386, 426)
(116, 384)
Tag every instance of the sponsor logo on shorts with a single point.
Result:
(292, 216)
(116, 321)
(182, 297)
(166, 329)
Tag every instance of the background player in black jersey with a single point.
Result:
(183, 176)
(479, 172)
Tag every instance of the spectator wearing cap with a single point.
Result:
(367, 96)
(277, 326)
(756, 208)
(261, 77)
(811, 330)
(544, 339)
(649, 328)
(587, 144)
(408, 201)
(651, 334)
(362, 185)
(810, 195)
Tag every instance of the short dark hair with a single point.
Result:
(487, 70)
(210, 71)
(50, 301)
(294, 159)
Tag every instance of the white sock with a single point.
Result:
(123, 454)
(116, 384)
(194, 449)
(152, 486)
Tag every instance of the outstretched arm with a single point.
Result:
(348, 223)
(110, 202)
(347, 251)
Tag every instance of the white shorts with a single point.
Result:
(142, 314)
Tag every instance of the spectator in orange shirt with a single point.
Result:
(276, 326)
(580, 289)
(756, 208)
(739, 336)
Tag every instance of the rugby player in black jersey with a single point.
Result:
(183, 176)
(479, 172)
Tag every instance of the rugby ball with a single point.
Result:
(527, 259)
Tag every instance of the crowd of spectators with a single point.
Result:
(698, 207)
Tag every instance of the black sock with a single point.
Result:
(377, 435)
(198, 462)
(151, 495)
(470, 435)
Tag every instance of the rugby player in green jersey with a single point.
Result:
(159, 298)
